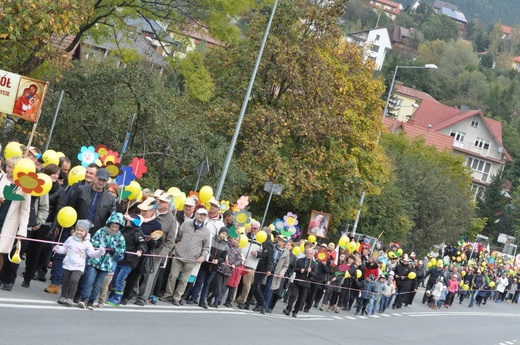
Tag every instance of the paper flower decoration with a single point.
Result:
(9, 194)
(29, 182)
(102, 150)
(126, 176)
(224, 206)
(114, 169)
(290, 219)
(242, 217)
(111, 156)
(87, 155)
(235, 208)
(243, 202)
(139, 167)
(278, 224)
(322, 255)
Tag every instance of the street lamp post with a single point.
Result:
(272, 188)
(427, 66)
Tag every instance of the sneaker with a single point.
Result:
(124, 301)
(165, 299)
(7, 287)
(90, 306)
(52, 289)
(176, 303)
(26, 283)
(190, 301)
(81, 305)
(100, 305)
(68, 303)
(62, 300)
(228, 305)
(153, 299)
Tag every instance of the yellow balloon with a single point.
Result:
(302, 247)
(358, 273)
(140, 196)
(440, 262)
(343, 241)
(261, 236)
(24, 165)
(491, 284)
(76, 174)
(242, 242)
(352, 247)
(60, 154)
(13, 149)
(241, 230)
(347, 274)
(205, 194)
(465, 287)
(67, 217)
(311, 238)
(429, 264)
(46, 187)
(50, 157)
(174, 191)
(463, 273)
(296, 251)
(399, 252)
(412, 275)
(179, 201)
(134, 188)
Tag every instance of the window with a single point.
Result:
(480, 166)
(378, 37)
(474, 122)
(482, 143)
(459, 136)
(374, 48)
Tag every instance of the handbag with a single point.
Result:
(148, 266)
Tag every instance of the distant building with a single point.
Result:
(452, 11)
(376, 43)
(390, 8)
(516, 63)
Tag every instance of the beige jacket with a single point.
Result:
(16, 219)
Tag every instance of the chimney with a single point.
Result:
(463, 109)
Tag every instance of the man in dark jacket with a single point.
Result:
(263, 268)
(401, 280)
(318, 283)
(93, 202)
(433, 273)
(305, 270)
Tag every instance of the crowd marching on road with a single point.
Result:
(143, 252)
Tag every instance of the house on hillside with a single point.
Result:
(516, 63)
(196, 37)
(144, 37)
(475, 136)
(452, 11)
(376, 43)
(390, 9)
(441, 142)
(507, 32)
(405, 40)
(408, 100)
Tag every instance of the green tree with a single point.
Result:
(33, 26)
(493, 206)
(314, 113)
(440, 27)
(430, 202)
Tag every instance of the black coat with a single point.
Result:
(266, 256)
(134, 240)
(304, 279)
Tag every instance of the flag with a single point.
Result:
(335, 256)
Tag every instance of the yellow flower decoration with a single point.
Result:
(224, 206)
(29, 182)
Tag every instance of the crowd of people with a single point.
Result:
(144, 251)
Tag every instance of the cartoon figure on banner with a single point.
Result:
(319, 224)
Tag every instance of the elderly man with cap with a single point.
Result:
(192, 248)
(215, 222)
(187, 211)
(149, 225)
(169, 228)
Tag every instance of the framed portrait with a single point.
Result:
(319, 224)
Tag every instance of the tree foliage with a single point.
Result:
(314, 113)
(440, 27)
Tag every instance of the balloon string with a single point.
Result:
(224, 264)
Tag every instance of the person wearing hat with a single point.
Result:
(281, 261)
(215, 222)
(169, 228)
(401, 280)
(148, 226)
(187, 211)
(208, 268)
(305, 269)
(192, 249)
(433, 273)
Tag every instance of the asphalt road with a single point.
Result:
(31, 316)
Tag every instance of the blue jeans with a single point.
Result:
(372, 306)
(267, 291)
(120, 274)
(57, 269)
(204, 279)
(93, 281)
(385, 302)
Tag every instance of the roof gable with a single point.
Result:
(399, 87)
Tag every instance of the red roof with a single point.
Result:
(439, 140)
(411, 92)
(517, 59)
(506, 29)
(441, 116)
